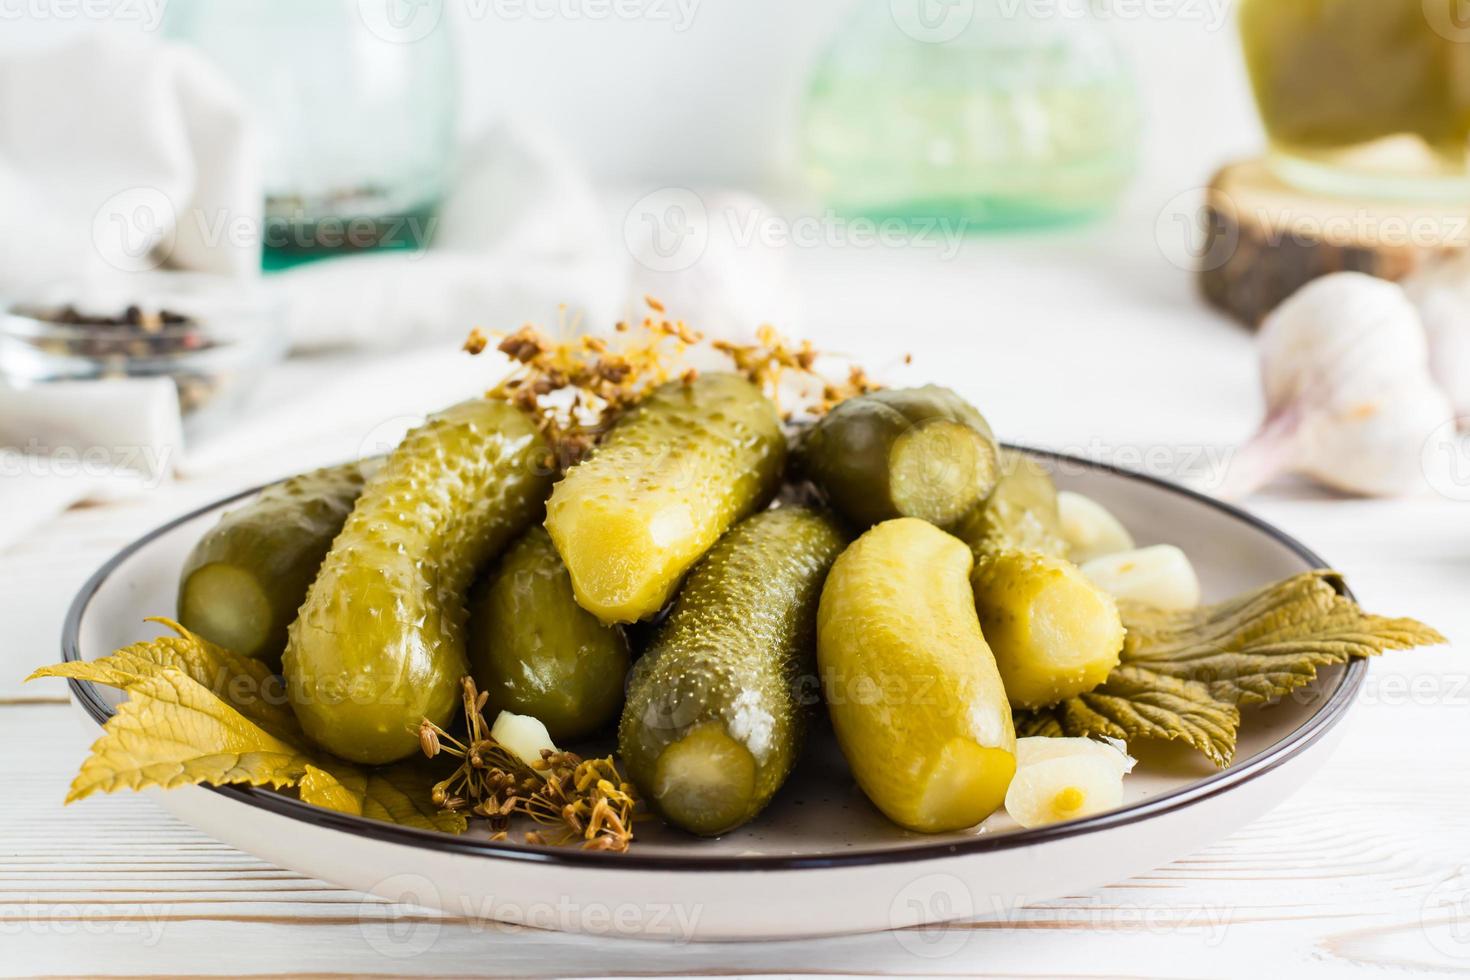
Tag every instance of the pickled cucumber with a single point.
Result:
(1054, 633)
(911, 685)
(1021, 513)
(716, 707)
(245, 579)
(672, 476)
(379, 642)
(921, 452)
(536, 652)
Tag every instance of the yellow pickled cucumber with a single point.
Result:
(1054, 633)
(911, 685)
(671, 477)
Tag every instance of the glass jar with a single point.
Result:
(357, 118)
(992, 115)
(1363, 97)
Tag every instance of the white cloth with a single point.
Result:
(120, 155)
(123, 157)
(67, 443)
(110, 147)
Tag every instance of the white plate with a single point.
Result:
(821, 860)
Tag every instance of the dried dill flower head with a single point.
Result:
(577, 388)
(576, 801)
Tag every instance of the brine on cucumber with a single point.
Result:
(911, 685)
(716, 707)
(244, 580)
(670, 477)
(379, 642)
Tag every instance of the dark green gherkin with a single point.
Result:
(715, 710)
(1021, 513)
(243, 582)
(534, 651)
(379, 643)
(917, 452)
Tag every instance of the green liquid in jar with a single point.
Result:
(1334, 77)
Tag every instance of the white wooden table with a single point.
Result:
(1365, 871)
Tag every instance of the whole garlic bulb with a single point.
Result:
(1442, 294)
(1349, 397)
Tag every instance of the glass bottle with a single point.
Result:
(1363, 97)
(993, 114)
(357, 118)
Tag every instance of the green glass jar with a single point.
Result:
(1363, 97)
(356, 116)
(986, 114)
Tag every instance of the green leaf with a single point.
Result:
(1184, 675)
(1267, 643)
(1138, 703)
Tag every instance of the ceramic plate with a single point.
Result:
(820, 860)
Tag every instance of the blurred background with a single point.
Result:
(247, 238)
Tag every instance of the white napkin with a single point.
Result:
(73, 442)
(121, 157)
(109, 147)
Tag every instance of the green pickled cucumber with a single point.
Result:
(921, 452)
(379, 643)
(672, 476)
(716, 707)
(536, 652)
(1021, 513)
(912, 687)
(1054, 633)
(245, 579)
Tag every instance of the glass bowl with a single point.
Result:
(213, 336)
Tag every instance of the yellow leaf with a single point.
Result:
(398, 794)
(174, 731)
(244, 683)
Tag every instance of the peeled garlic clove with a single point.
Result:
(1161, 576)
(523, 736)
(1066, 788)
(1090, 528)
(1039, 748)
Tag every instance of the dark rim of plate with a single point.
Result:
(1333, 707)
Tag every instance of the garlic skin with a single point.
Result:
(1350, 400)
(1441, 292)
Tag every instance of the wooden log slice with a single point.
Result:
(1265, 239)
